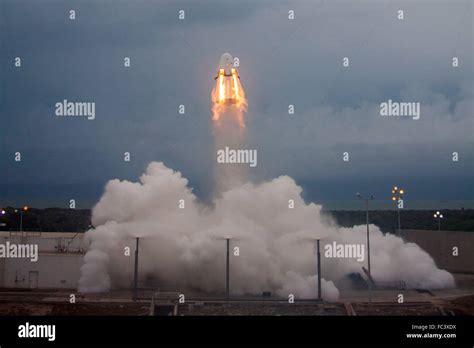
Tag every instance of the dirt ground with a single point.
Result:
(40, 303)
(39, 309)
(460, 306)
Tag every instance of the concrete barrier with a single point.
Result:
(440, 245)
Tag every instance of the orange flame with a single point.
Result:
(228, 93)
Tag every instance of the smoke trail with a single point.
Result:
(229, 134)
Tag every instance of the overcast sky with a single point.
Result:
(282, 62)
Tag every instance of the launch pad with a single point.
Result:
(157, 303)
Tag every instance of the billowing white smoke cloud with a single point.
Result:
(184, 249)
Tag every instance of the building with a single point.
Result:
(59, 259)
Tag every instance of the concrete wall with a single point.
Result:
(50, 271)
(59, 261)
(439, 244)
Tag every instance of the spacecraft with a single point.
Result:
(229, 90)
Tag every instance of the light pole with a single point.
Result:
(367, 199)
(317, 251)
(320, 297)
(438, 216)
(227, 269)
(227, 264)
(135, 273)
(3, 212)
(397, 194)
(25, 209)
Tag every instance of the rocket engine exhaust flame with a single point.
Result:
(228, 92)
(228, 108)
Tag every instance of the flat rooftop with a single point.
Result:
(38, 234)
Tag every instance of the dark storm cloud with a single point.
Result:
(282, 62)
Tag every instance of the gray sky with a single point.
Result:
(282, 62)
